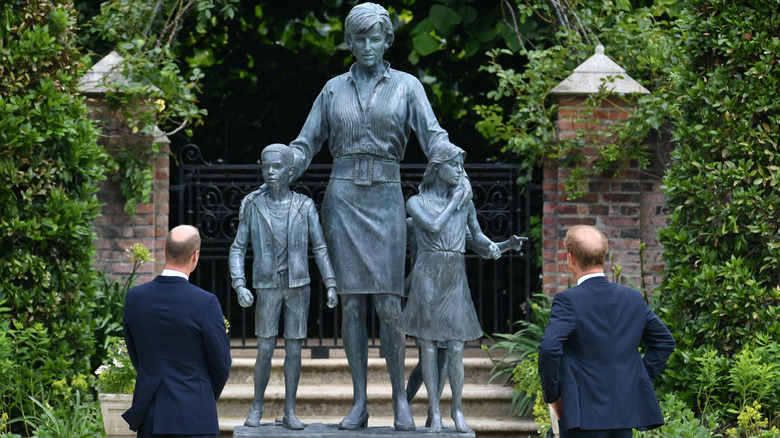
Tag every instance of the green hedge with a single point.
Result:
(721, 291)
(50, 165)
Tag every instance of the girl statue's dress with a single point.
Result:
(440, 307)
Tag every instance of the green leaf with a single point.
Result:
(425, 44)
(444, 18)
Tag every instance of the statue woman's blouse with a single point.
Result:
(379, 127)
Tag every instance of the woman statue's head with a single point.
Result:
(363, 17)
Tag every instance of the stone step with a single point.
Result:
(325, 394)
(335, 400)
(484, 427)
(336, 371)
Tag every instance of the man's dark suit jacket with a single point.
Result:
(175, 335)
(589, 357)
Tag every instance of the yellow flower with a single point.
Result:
(61, 387)
(138, 252)
(80, 383)
(160, 105)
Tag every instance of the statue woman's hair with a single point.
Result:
(363, 16)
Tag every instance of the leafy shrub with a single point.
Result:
(81, 420)
(109, 304)
(50, 166)
(726, 387)
(116, 374)
(680, 421)
(722, 242)
(527, 382)
(512, 355)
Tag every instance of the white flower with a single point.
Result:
(118, 364)
(101, 369)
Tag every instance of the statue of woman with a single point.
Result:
(366, 116)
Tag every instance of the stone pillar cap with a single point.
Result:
(597, 70)
(104, 74)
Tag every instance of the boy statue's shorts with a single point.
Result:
(268, 309)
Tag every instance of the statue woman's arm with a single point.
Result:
(313, 134)
(422, 119)
(427, 128)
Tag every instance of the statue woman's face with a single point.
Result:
(369, 47)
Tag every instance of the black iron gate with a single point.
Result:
(208, 195)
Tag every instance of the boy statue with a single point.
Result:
(279, 223)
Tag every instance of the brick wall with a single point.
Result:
(116, 230)
(628, 208)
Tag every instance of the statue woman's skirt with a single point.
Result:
(365, 230)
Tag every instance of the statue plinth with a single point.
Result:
(275, 430)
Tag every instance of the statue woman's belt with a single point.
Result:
(366, 169)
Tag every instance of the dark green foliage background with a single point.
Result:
(50, 165)
(721, 290)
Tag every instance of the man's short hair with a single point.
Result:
(283, 149)
(180, 251)
(587, 244)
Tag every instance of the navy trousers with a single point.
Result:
(145, 430)
(611, 433)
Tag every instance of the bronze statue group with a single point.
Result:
(593, 376)
(366, 116)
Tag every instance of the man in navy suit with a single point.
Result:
(593, 374)
(176, 338)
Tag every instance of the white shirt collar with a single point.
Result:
(174, 273)
(589, 276)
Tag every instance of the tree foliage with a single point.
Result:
(721, 290)
(50, 165)
(158, 97)
(640, 36)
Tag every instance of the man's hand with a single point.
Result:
(245, 297)
(333, 298)
(556, 407)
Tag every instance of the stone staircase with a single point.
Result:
(325, 394)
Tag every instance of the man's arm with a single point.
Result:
(659, 344)
(562, 321)
(216, 345)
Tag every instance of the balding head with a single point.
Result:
(180, 246)
(588, 245)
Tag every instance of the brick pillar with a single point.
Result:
(628, 208)
(116, 230)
